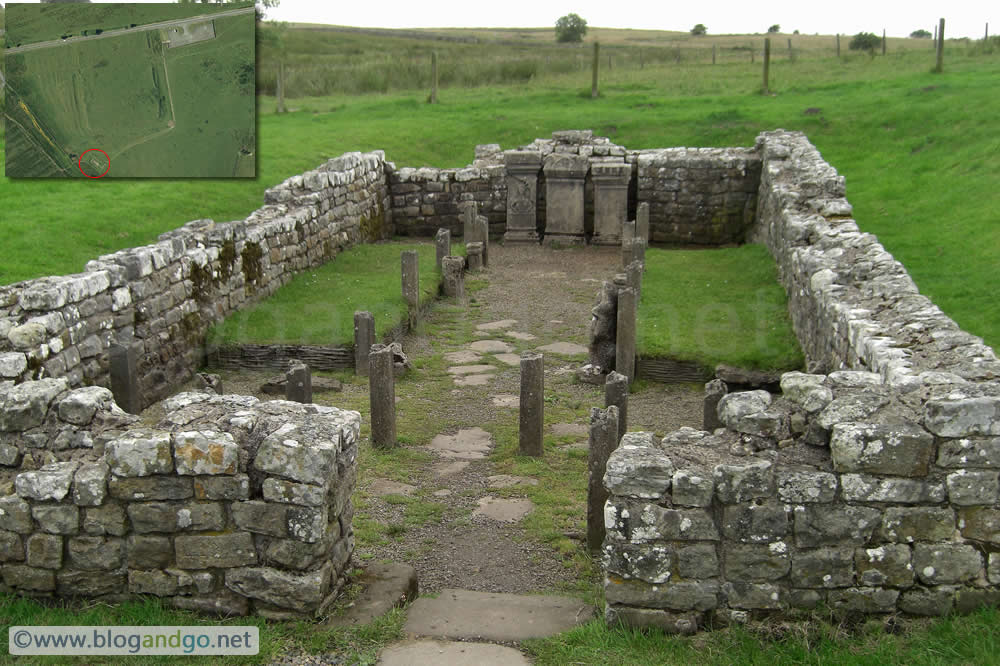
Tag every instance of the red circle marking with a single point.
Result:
(80, 163)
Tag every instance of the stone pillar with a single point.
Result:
(469, 211)
(474, 255)
(628, 235)
(382, 396)
(714, 391)
(610, 201)
(564, 182)
(616, 393)
(125, 378)
(633, 278)
(604, 426)
(625, 343)
(522, 168)
(442, 242)
(532, 404)
(642, 222)
(454, 277)
(483, 236)
(410, 278)
(364, 338)
(298, 383)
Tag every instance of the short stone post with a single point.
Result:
(522, 168)
(298, 383)
(628, 235)
(625, 343)
(470, 211)
(442, 243)
(382, 396)
(714, 391)
(454, 277)
(364, 338)
(410, 272)
(642, 222)
(604, 426)
(125, 378)
(483, 236)
(532, 404)
(616, 393)
(474, 254)
(633, 277)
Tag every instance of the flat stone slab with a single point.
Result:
(503, 510)
(470, 369)
(509, 359)
(386, 586)
(383, 487)
(466, 444)
(564, 429)
(508, 480)
(582, 445)
(491, 346)
(494, 616)
(444, 492)
(564, 348)
(447, 469)
(463, 356)
(496, 325)
(517, 335)
(450, 653)
(506, 400)
(473, 380)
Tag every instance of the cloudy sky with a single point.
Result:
(964, 18)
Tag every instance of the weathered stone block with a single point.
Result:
(303, 592)
(197, 551)
(965, 417)
(307, 524)
(15, 515)
(887, 565)
(89, 583)
(294, 452)
(969, 453)
(148, 552)
(169, 517)
(140, 453)
(155, 582)
(698, 560)
(803, 487)
(693, 595)
(94, 552)
(294, 554)
(805, 599)
(755, 523)
(22, 577)
(752, 596)
(44, 551)
(691, 489)
(25, 405)
(942, 563)
(80, 405)
(57, 518)
(262, 517)
(223, 603)
(745, 562)
(823, 567)
(146, 488)
(863, 600)
(909, 524)
(289, 492)
(235, 487)
(865, 488)
(741, 483)
(968, 599)
(109, 518)
(649, 563)
(205, 452)
(90, 484)
(820, 525)
(901, 450)
(807, 391)
(734, 406)
(638, 468)
(851, 408)
(12, 364)
(971, 487)
(642, 618)
(927, 601)
(11, 547)
(51, 482)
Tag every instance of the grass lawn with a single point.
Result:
(716, 306)
(317, 307)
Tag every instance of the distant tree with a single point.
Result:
(865, 41)
(774, 28)
(571, 28)
(921, 34)
(795, 32)
(699, 30)
(261, 5)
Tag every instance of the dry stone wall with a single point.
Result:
(228, 506)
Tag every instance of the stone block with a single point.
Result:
(691, 489)
(910, 524)
(307, 524)
(109, 518)
(51, 482)
(23, 577)
(154, 582)
(823, 567)
(90, 484)
(80, 405)
(205, 452)
(294, 554)
(741, 483)
(806, 487)
(863, 600)
(753, 596)
(95, 552)
(89, 584)
(866, 488)
(262, 517)
(140, 453)
(289, 492)
(25, 405)
(805, 599)
(299, 453)
(969, 600)
(638, 468)
(169, 517)
(223, 603)
(12, 364)
(822, 525)
(44, 551)
(850, 409)
(927, 601)
(15, 515)
(964, 417)
(969, 453)
(301, 592)
(642, 618)
(807, 391)
(198, 551)
(57, 518)
(165, 487)
(887, 565)
(11, 547)
(943, 563)
(693, 595)
(646, 562)
(735, 406)
(752, 562)
(973, 487)
(143, 551)
(899, 450)
(698, 560)
(235, 487)
(755, 523)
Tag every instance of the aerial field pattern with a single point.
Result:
(172, 96)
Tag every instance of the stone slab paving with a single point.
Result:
(386, 586)
(448, 469)
(494, 616)
(383, 487)
(496, 325)
(506, 400)
(463, 356)
(492, 346)
(564, 348)
(473, 380)
(518, 335)
(466, 444)
(503, 510)
(508, 480)
(450, 653)
(509, 359)
(470, 369)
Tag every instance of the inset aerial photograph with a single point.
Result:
(130, 90)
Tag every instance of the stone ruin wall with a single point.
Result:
(227, 506)
(160, 299)
(872, 485)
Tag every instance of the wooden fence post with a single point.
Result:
(434, 78)
(597, 64)
(281, 87)
(940, 48)
(767, 62)
(838, 44)
(883, 41)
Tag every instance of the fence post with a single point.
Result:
(597, 64)
(382, 396)
(940, 48)
(364, 338)
(715, 48)
(767, 62)
(603, 441)
(281, 86)
(838, 44)
(532, 413)
(434, 78)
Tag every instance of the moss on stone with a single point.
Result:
(227, 259)
(252, 265)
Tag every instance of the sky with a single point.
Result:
(964, 18)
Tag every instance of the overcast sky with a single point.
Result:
(964, 18)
